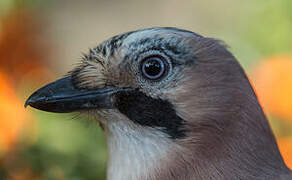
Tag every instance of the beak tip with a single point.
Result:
(27, 103)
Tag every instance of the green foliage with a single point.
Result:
(269, 30)
(66, 147)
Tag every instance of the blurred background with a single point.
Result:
(42, 40)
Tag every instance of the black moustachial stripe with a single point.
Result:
(151, 112)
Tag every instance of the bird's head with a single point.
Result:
(158, 92)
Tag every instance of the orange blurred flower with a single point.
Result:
(273, 84)
(13, 118)
(23, 49)
(285, 146)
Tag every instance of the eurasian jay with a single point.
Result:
(174, 105)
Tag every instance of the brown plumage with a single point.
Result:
(174, 105)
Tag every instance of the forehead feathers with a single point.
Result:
(130, 45)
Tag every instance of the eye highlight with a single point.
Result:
(153, 68)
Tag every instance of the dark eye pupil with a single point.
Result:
(153, 68)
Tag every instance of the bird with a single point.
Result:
(173, 104)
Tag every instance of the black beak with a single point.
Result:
(62, 97)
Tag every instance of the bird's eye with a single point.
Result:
(153, 67)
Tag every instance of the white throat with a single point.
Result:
(135, 152)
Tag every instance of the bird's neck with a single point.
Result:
(244, 147)
(146, 154)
